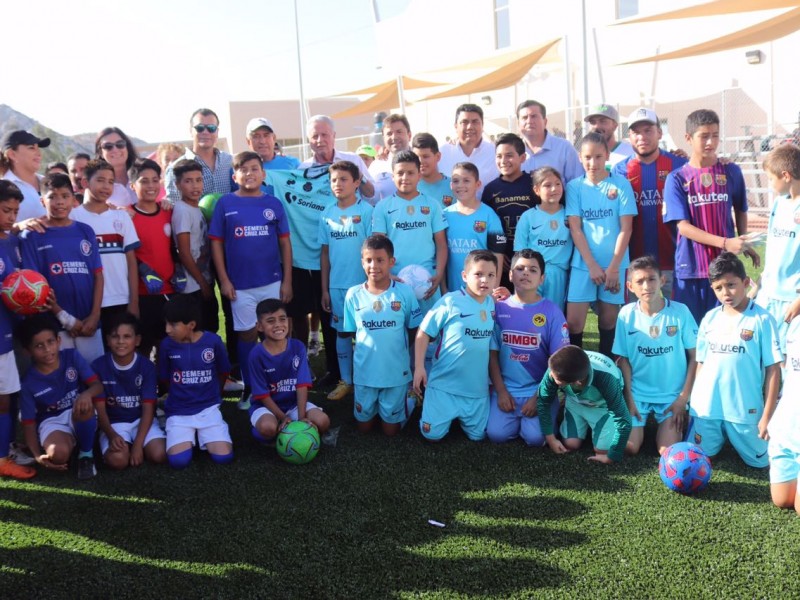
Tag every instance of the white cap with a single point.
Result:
(642, 115)
(257, 123)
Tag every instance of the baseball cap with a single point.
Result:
(367, 150)
(21, 137)
(603, 110)
(642, 115)
(258, 122)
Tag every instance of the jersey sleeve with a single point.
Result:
(322, 230)
(611, 389)
(627, 200)
(283, 220)
(548, 391)
(676, 207)
(438, 222)
(130, 238)
(304, 370)
(702, 342)
(349, 317)
(380, 219)
(216, 228)
(558, 334)
(181, 223)
(738, 188)
(93, 260)
(97, 367)
(367, 217)
(221, 360)
(573, 203)
(495, 238)
(689, 329)
(27, 404)
(149, 381)
(414, 314)
(258, 377)
(521, 240)
(619, 348)
(29, 255)
(434, 321)
(85, 372)
(770, 342)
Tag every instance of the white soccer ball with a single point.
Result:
(418, 278)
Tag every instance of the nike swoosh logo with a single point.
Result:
(536, 227)
(463, 316)
(496, 194)
(632, 332)
(762, 454)
(392, 211)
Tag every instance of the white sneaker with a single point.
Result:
(19, 456)
(233, 385)
(314, 347)
(244, 404)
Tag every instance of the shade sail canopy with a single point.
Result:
(408, 84)
(714, 8)
(386, 96)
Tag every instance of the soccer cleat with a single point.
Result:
(342, 390)
(244, 403)
(20, 455)
(314, 347)
(233, 385)
(8, 468)
(86, 468)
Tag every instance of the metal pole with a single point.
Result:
(401, 95)
(303, 106)
(585, 62)
(568, 76)
(599, 66)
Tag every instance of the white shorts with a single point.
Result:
(244, 307)
(292, 414)
(90, 348)
(62, 422)
(9, 376)
(208, 425)
(128, 432)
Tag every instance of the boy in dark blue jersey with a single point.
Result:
(194, 364)
(126, 407)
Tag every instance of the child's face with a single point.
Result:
(550, 190)
(645, 283)
(377, 264)
(508, 160)
(406, 178)
(526, 275)
(704, 141)
(343, 185)
(147, 186)
(181, 332)
(780, 183)
(9, 209)
(428, 161)
(101, 185)
(250, 175)
(593, 158)
(274, 326)
(58, 203)
(480, 278)
(731, 290)
(464, 184)
(44, 349)
(123, 341)
(190, 185)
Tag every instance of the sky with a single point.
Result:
(146, 65)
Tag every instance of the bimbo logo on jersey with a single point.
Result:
(521, 339)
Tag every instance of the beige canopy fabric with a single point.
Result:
(386, 96)
(766, 31)
(408, 84)
(714, 8)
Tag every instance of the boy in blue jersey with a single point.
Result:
(281, 377)
(655, 342)
(193, 364)
(383, 314)
(66, 252)
(56, 400)
(126, 406)
(415, 224)
(738, 368)
(343, 228)
(593, 388)
(471, 225)
(248, 225)
(432, 183)
(528, 329)
(600, 209)
(462, 323)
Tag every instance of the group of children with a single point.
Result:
(498, 362)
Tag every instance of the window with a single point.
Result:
(627, 8)
(502, 24)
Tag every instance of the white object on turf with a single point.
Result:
(418, 278)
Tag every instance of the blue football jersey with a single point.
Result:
(278, 376)
(438, 191)
(481, 230)
(125, 389)
(547, 234)
(343, 231)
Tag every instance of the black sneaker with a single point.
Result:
(86, 468)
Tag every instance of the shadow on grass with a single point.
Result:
(735, 492)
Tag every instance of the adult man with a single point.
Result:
(604, 119)
(76, 163)
(470, 146)
(396, 138)
(261, 140)
(542, 148)
(647, 171)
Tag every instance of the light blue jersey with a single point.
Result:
(780, 279)
(344, 231)
(381, 323)
(438, 191)
(463, 329)
(784, 427)
(410, 224)
(600, 208)
(547, 234)
(481, 230)
(734, 349)
(656, 349)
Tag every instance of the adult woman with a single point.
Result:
(20, 159)
(116, 148)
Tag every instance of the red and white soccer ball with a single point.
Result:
(25, 292)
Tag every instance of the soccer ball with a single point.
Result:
(25, 292)
(417, 277)
(298, 443)
(208, 203)
(685, 468)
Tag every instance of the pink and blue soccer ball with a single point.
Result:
(685, 468)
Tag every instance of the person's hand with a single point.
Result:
(284, 422)
(501, 293)
(206, 290)
(633, 410)
(83, 407)
(530, 409)
(326, 301)
(763, 432)
(505, 402)
(678, 410)
(88, 326)
(557, 447)
(750, 252)
(434, 281)
(792, 311)
(420, 380)
(597, 274)
(680, 152)
(116, 443)
(601, 458)
(612, 280)
(286, 292)
(227, 290)
(47, 463)
(33, 224)
(137, 455)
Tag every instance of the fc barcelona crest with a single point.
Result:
(796, 218)
(655, 331)
(721, 178)
(447, 200)
(377, 306)
(356, 219)
(612, 193)
(425, 210)
(706, 180)
(672, 330)
(553, 224)
(483, 315)
(395, 305)
(662, 175)
(479, 226)
(410, 210)
(746, 334)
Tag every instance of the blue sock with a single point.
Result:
(244, 349)
(344, 351)
(84, 431)
(5, 434)
(222, 459)
(411, 404)
(180, 460)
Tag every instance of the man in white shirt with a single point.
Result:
(470, 146)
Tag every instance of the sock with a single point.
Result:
(180, 460)
(84, 431)
(314, 336)
(607, 342)
(411, 404)
(5, 434)
(244, 349)
(344, 351)
(222, 459)
(576, 339)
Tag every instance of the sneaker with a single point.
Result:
(244, 403)
(341, 391)
(20, 455)
(314, 347)
(233, 385)
(86, 468)
(8, 468)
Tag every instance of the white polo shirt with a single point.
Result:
(31, 199)
(381, 172)
(482, 157)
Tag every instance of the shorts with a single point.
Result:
(128, 432)
(440, 409)
(777, 308)
(291, 413)
(61, 422)
(151, 317)
(391, 403)
(9, 376)
(659, 411)
(337, 308)
(710, 435)
(555, 285)
(583, 289)
(244, 307)
(208, 425)
(506, 426)
(784, 460)
(306, 293)
(578, 418)
(696, 294)
(90, 348)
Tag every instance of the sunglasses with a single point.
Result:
(208, 128)
(119, 144)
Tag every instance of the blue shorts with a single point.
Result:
(554, 287)
(696, 294)
(583, 289)
(710, 435)
(337, 308)
(391, 404)
(440, 409)
(659, 411)
(578, 418)
(506, 426)
(784, 459)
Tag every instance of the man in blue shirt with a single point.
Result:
(544, 149)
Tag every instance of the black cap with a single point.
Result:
(21, 137)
